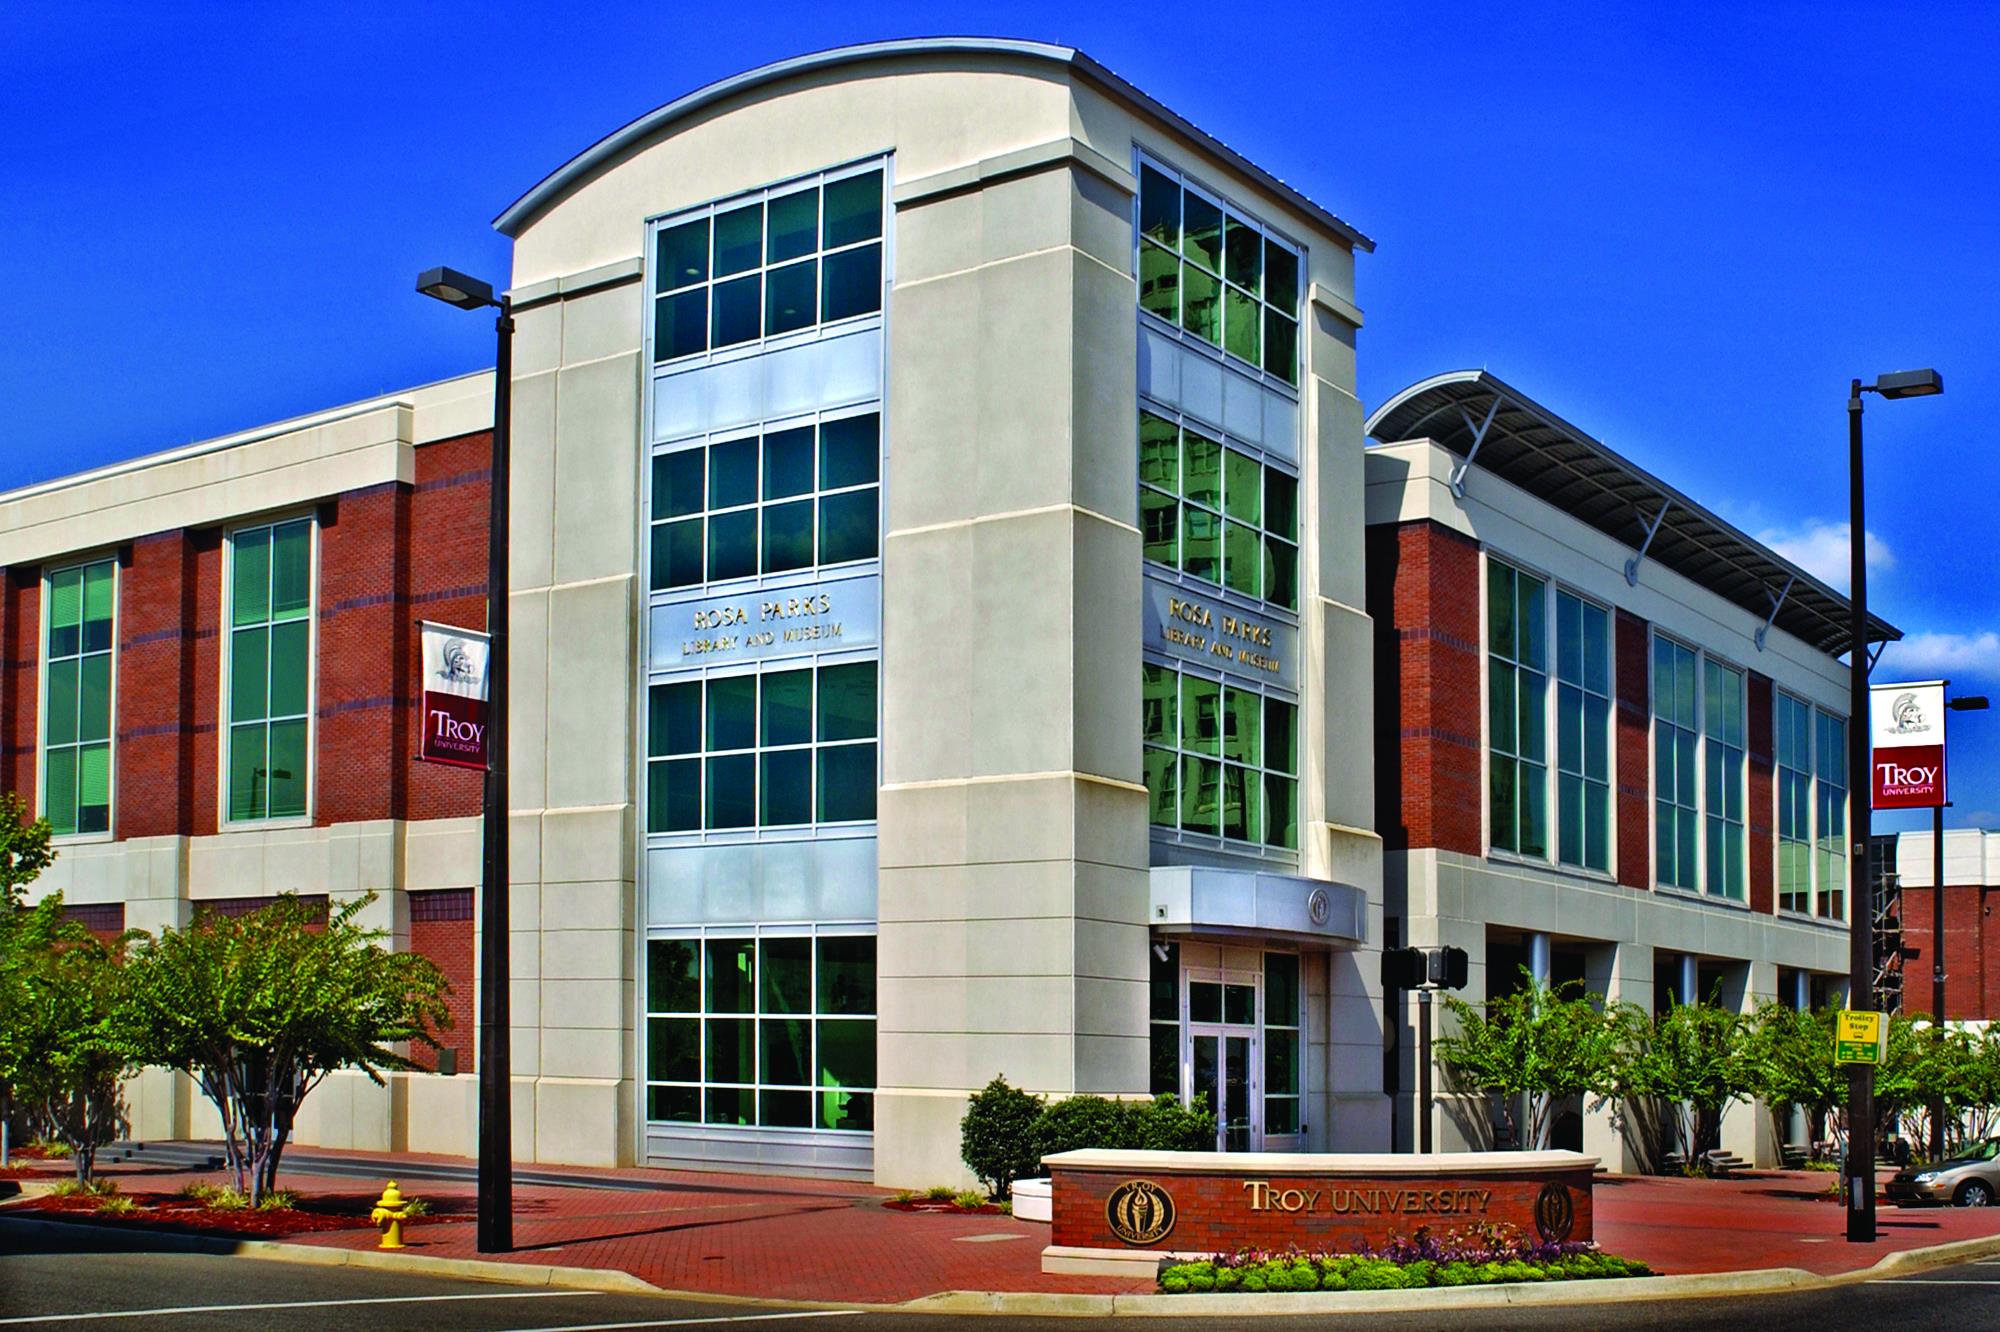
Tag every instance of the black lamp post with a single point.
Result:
(1860, 1174)
(1970, 703)
(496, 1106)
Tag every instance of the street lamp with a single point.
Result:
(496, 1106)
(1970, 703)
(1860, 1175)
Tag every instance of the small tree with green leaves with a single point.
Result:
(1789, 1062)
(997, 1136)
(259, 1009)
(1693, 1058)
(24, 932)
(68, 1043)
(1539, 1044)
(24, 848)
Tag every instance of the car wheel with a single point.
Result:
(1972, 1193)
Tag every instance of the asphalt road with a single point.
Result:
(101, 1283)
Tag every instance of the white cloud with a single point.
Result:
(1928, 655)
(1821, 549)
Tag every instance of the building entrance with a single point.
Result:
(1223, 1058)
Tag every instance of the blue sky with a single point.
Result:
(1684, 227)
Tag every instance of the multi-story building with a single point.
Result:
(938, 639)
(1611, 742)
(1971, 936)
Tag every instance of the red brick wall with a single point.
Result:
(1761, 812)
(363, 627)
(447, 583)
(1969, 991)
(20, 682)
(1634, 758)
(441, 929)
(203, 740)
(155, 769)
(1213, 1212)
(1423, 593)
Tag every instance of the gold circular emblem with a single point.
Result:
(1140, 1212)
(1555, 1213)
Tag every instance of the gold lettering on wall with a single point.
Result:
(1367, 1201)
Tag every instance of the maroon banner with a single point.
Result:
(455, 683)
(454, 730)
(1908, 777)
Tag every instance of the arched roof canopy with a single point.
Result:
(1487, 422)
(655, 123)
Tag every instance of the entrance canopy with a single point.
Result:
(1201, 899)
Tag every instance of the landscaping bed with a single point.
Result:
(185, 1214)
(947, 1202)
(1483, 1257)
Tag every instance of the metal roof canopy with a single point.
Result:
(1482, 419)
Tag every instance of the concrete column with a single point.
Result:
(1748, 1129)
(1538, 957)
(1690, 979)
(1621, 972)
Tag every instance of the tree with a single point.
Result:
(67, 1037)
(1789, 1062)
(1540, 1043)
(1692, 1058)
(24, 848)
(259, 1009)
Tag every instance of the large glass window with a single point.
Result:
(783, 260)
(1283, 1056)
(1164, 1027)
(781, 748)
(800, 497)
(1830, 815)
(1583, 733)
(1220, 761)
(1211, 270)
(1676, 813)
(1722, 761)
(270, 670)
(768, 1030)
(1217, 512)
(1516, 710)
(1794, 723)
(76, 714)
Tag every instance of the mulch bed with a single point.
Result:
(943, 1207)
(170, 1211)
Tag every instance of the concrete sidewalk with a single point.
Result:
(818, 1240)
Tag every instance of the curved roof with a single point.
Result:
(563, 178)
(1529, 446)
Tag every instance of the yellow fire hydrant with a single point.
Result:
(392, 1209)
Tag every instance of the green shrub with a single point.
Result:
(1081, 1123)
(1163, 1124)
(72, 1188)
(200, 1190)
(115, 1204)
(970, 1199)
(939, 1193)
(227, 1199)
(997, 1136)
(284, 1200)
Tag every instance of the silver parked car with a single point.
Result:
(1969, 1179)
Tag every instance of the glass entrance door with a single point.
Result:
(1222, 1055)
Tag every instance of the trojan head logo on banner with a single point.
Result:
(1906, 745)
(454, 715)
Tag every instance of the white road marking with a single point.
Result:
(1926, 1281)
(695, 1322)
(297, 1304)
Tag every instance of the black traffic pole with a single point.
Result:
(496, 1105)
(1860, 891)
(1860, 1172)
(1424, 1071)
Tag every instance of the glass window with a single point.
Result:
(270, 670)
(1722, 796)
(1516, 710)
(1583, 733)
(1676, 812)
(1220, 760)
(1217, 512)
(76, 712)
(792, 258)
(1794, 725)
(769, 1030)
(1830, 814)
(1217, 274)
(1164, 1012)
(784, 748)
(795, 498)
(1282, 1053)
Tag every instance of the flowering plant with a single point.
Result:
(1484, 1254)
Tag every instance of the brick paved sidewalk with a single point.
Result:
(804, 1239)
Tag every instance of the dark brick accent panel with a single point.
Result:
(441, 929)
(156, 687)
(106, 920)
(447, 583)
(1329, 1210)
(1761, 813)
(20, 656)
(1971, 992)
(1634, 759)
(1423, 593)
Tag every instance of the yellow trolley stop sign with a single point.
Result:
(1859, 1037)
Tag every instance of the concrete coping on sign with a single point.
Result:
(1369, 1164)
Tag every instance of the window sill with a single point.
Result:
(80, 839)
(1706, 899)
(1801, 918)
(1602, 878)
(289, 824)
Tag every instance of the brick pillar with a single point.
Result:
(1423, 594)
(362, 759)
(1634, 730)
(1760, 823)
(156, 635)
